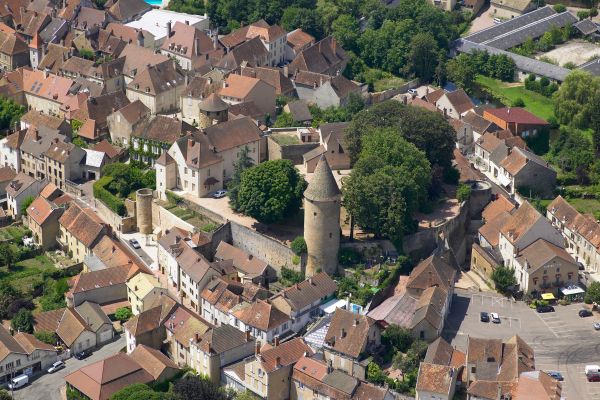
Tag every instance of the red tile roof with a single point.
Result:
(516, 115)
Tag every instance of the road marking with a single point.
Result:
(548, 326)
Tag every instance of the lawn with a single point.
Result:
(537, 104)
(388, 83)
(27, 274)
(586, 206)
(15, 233)
(285, 139)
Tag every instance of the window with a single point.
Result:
(18, 362)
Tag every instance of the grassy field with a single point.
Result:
(537, 104)
(586, 206)
(388, 83)
(285, 139)
(27, 274)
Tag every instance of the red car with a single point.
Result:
(593, 377)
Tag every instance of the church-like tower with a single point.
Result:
(322, 220)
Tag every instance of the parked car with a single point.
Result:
(596, 326)
(18, 382)
(56, 366)
(219, 194)
(497, 21)
(484, 317)
(593, 377)
(495, 318)
(581, 266)
(556, 375)
(135, 244)
(592, 369)
(83, 354)
(544, 309)
(585, 313)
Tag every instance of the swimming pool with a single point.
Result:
(156, 3)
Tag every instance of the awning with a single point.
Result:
(211, 181)
(572, 290)
(548, 296)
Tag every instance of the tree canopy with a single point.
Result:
(10, 113)
(195, 387)
(241, 164)
(387, 184)
(576, 102)
(271, 191)
(504, 278)
(22, 321)
(427, 130)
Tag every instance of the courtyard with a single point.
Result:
(576, 51)
(562, 341)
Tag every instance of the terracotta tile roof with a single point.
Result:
(124, 10)
(101, 278)
(492, 227)
(515, 115)
(157, 79)
(137, 58)
(63, 151)
(287, 353)
(71, 326)
(152, 318)
(489, 142)
(48, 321)
(163, 129)
(83, 224)
(490, 389)
(49, 191)
(36, 118)
(200, 87)
(184, 39)
(29, 343)
(540, 253)
(479, 349)
(238, 86)
(260, 314)
(14, 140)
(321, 57)
(51, 87)
(439, 352)
(7, 174)
(77, 66)
(273, 76)
(348, 332)
(298, 39)
(584, 225)
(309, 291)
(113, 253)
(134, 112)
(252, 52)
(460, 100)
(8, 344)
(100, 107)
(519, 158)
(537, 385)
(243, 261)
(434, 378)
(434, 96)
(100, 380)
(520, 222)
(432, 271)
(40, 210)
(417, 102)
(107, 148)
(221, 339)
(479, 124)
(33, 22)
(190, 329)
(54, 58)
(245, 109)
(232, 134)
(312, 367)
(193, 264)
(497, 206)
(151, 360)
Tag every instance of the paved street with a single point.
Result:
(47, 386)
(562, 341)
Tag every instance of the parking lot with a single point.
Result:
(562, 341)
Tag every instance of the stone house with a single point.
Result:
(525, 172)
(148, 327)
(518, 120)
(19, 189)
(264, 321)
(123, 122)
(435, 382)
(273, 37)
(301, 301)
(36, 142)
(80, 230)
(10, 153)
(580, 231)
(350, 336)
(296, 41)
(64, 163)
(332, 145)
(14, 52)
(218, 348)
(479, 125)
(7, 174)
(155, 363)
(508, 9)
(492, 148)
(189, 46)
(455, 104)
(543, 267)
(42, 220)
(93, 113)
(36, 118)
(96, 320)
(183, 328)
(23, 351)
(251, 52)
(142, 291)
(275, 77)
(158, 86)
(198, 101)
(324, 90)
(267, 374)
(248, 267)
(45, 92)
(243, 89)
(102, 286)
(323, 57)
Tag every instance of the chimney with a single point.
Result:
(276, 340)
(187, 22)
(250, 257)
(140, 38)
(45, 73)
(257, 348)
(286, 70)
(355, 322)
(187, 80)
(225, 84)
(169, 30)
(216, 40)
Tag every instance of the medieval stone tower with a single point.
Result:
(322, 220)
(213, 111)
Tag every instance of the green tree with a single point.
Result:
(194, 387)
(504, 278)
(427, 130)
(583, 14)
(559, 8)
(26, 203)
(87, 54)
(546, 42)
(422, 56)
(187, 6)
(123, 314)
(132, 392)
(518, 102)
(346, 31)
(461, 71)
(4, 395)
(283, 120)
(592, 294)
(46, 337)
(22, 321)
(298, 245)
(397, 338)
(79, 142)
(10, 113)
(387, 184)
(463, 192)
(8, 255)
(8, 297)
(243, 162)
(308, 20)
(375, 374)
(271, 191)
(574, 102)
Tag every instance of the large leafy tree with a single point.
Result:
(10, 112)
(241, 164)
(388, 183)
(592, 295)
(427, 130)
(271, 191)
(22, 321)
(8, 255)
(462, 71)
(576, 102)
(195, 387)
(504, 278)
(423, 56)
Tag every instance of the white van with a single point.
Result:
(592, 369)
(18, 381)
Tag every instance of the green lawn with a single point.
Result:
(537, 104)
(15, 233)
(388, 83)
(586, 206)
(27, 274)
(285, 139)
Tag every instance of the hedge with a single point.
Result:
(112, 202)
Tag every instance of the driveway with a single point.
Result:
(561, 340)
(48, 386)
(482, 21)
(148, 248)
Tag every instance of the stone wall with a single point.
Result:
(164, 219)
(117, 223)
(293, 152)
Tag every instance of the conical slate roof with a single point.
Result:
(213, 103)
(322, 186)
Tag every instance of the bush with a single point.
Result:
(583, 14)
(47, 337)
(123, 314)
(290, 276)
(112, 202)
(298, 245)
(209, 228)
(296, 259)
(463, 192)
(518, 102)
(348, 256)
(559, 8)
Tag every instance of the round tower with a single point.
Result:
(213, 110)
(143, 210)
(322, 200)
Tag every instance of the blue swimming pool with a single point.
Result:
(156, 3)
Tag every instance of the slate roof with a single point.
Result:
(322, 186)
(19, 184)
(593, 67)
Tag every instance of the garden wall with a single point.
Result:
(164, 219)
(292, 152)
(117, 223)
